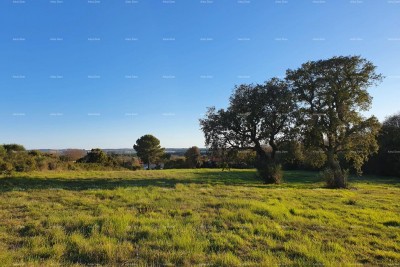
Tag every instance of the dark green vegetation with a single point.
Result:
(318, 105)
(193, 157)
(332, 94)
(200, 216)
(258, 116)
(387, 161)
(14, 158)
(148, 149)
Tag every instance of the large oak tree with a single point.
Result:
(332, 95)
(257, 116)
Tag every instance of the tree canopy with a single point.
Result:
(193, 157)
(148, 149)
(387, 161)
(257, 116)
(332, 94)
(13, 147)
(96, 155)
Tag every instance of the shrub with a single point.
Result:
(6, 167)
(35, 153)
(52, 166)
(96, 155)
(176, 163)
(42, 164)
(13, 147)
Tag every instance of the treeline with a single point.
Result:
(387, 160)
(291, 156)
(15, 158)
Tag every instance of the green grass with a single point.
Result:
(196, 217)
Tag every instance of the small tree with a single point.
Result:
(193, 157)
(96, 155)
(148, 149)
(331, 94)
(6, 167)
(13, 147)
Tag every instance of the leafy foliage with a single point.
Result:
(332, 94)
(34, 160)
(96, 155)
(148, 149)
(193, 157)
(257, 116)
(176, 163)
(13, 147)
(387, 161)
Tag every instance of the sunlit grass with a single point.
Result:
(196, 217)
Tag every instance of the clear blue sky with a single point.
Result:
(83, 74)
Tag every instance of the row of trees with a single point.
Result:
(387, 160)
(149, 150)
(14, 157)
(318, 106)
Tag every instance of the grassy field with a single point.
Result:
(196, 217)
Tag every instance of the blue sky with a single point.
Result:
(84, 74)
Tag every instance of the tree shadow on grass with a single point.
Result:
(301, 178)
(374, 179)
(18, 183)
(292, 179)
(28, 183)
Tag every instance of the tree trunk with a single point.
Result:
(261, 154)
(266, 167)
(339, 179)
(274, 148)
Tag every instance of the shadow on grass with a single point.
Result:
(292, 179)
(239, 178)
(374, 179)
(27, 183)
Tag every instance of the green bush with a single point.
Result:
(6, 167)
(52, 166)
(176, 163)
